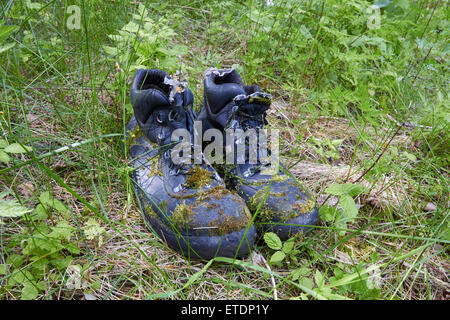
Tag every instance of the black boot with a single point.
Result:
(187, 205)
(229, 104)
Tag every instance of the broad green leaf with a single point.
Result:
(63, 230)
(341, 223)
(3, 269)
(3, 143)
(12, 209)
(335, 189)
(4, 157)
(111, 51)
(300, 272)
(273, 241)
(15, 260)
(17, 148)
(288, 246)
(354, 189)
(92, 229)
(327, 213)
(131, 27)
(306, 282)
(48, 200)
(29, 292)
(347, 188)
(39, 213)
(19, 277)
(277, 257)
(348, 207)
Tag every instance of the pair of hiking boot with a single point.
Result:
(198, 210)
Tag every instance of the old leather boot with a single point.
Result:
(186, 204)
(229, 104)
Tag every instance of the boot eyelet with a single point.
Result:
(172, 115)
(159, 118)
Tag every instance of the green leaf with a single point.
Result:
(410, 156)
(335, 189)
(12, 209)
(15, 260)
(337, 142)
(63, 230)
(111, 51)
(277, 257)
(4, 157)
(17, 148)
(29, 292)
(306, 282)
(348, 207)
(6, 47)
(327, 213)
(3, 269)
(288, 246)
(39, 213)
(319, 278)
(48, 200)
(273, 241)
(92, 229)
(352, 189)
(300, 273)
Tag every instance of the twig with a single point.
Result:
(407, 125)
(259, 259)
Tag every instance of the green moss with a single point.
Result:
(149, 211)
(279, 177)
(218, 192)
(228, 224)
(133, 135)
(259, 196)
(247, 212)
(198, 177)
(163, 205)
(304, 206)
(155, 167)
(265, 213)
(182, 214)
(254, 201)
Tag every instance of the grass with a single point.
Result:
(363, 115)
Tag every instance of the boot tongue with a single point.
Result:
(253, 104)
(254, 109)
(175, 92)
(221, 86)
